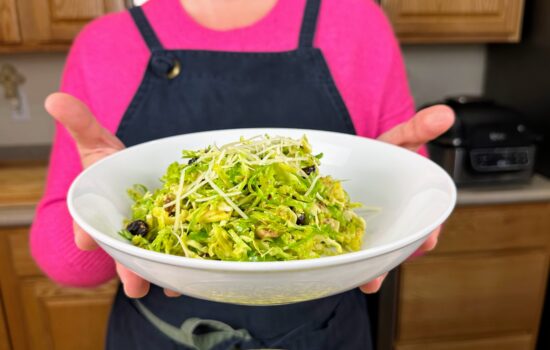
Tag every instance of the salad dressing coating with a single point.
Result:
(257, 199)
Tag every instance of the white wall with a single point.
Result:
(42, 73)
(435, 71)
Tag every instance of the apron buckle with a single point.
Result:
(166, 66)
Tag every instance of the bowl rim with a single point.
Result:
(263, 266)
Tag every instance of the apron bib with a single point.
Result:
(186, 91)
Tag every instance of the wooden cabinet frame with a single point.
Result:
(459, 21)
(511, 240)
(4, 335)
(40, 313)
(9, 26)
(47, 25)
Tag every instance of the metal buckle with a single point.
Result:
(165, 65)
(175, 70)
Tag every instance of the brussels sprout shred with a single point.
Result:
(257, 199)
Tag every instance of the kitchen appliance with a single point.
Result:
(519, 75)
(487, 145)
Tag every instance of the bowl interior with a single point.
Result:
(405, 195)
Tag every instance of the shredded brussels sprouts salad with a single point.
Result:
(257, 199)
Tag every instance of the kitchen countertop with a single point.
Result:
(19, 154)
(536, 191)
(21, 186)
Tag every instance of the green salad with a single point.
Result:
(257, 199)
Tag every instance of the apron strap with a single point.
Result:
(307, 32)
(147, 32)
(309, 23)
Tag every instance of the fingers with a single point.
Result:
(134, 285)
(374, 285)
(425, 126)
(171, 294)
(428, 245)
(431, 242)
(83, 240)
(80, 122)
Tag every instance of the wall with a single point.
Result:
(42, 73)
(434, 71)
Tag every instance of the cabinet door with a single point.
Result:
(471, 295)
(455, 20)
(42, 315)
(496, 227)
(58, 21)
(515, 342)
(4, 339)
(9, 28)
(65, 318)
(9, 283)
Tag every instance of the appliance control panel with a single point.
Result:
(501, 159)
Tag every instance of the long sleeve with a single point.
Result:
(52, 239)
(397, 103)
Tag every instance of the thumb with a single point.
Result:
(75, 116)
(425, 126)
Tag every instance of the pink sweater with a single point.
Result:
(108, 59)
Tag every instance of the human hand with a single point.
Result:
(425, 126)
(93, 143)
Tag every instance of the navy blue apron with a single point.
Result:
(187, 91)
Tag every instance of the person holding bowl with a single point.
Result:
(179, 66)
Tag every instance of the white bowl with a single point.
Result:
(413, 193)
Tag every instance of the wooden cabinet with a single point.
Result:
(471, 295)
(4, 337)
(35, 25)
(466, 21)
(9, 29)
(518, 342)
(65, 318)
(484, 285)
(496, 228)
(46, 25)
(41, 315)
